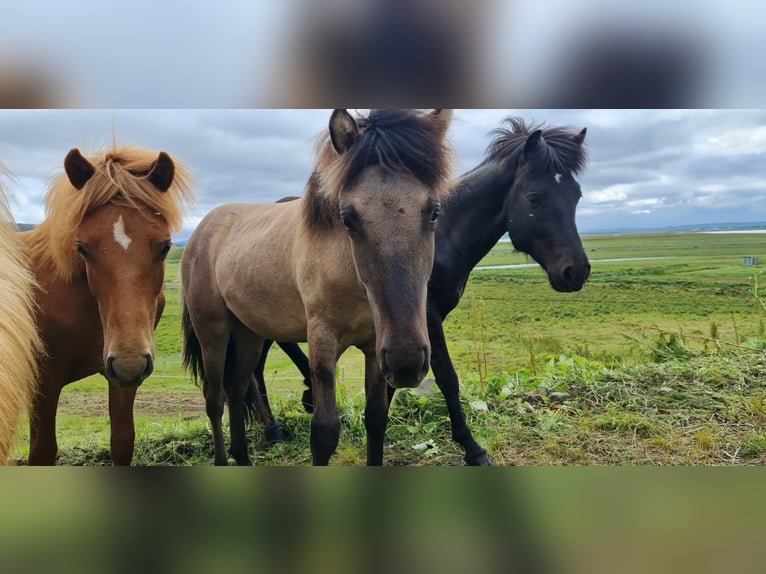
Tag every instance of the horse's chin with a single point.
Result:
(405, 382)
(127, 384)
(563, 286)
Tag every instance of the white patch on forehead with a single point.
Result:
(119, 234)
(557, 178)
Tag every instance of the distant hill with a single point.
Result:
(682, 228)
(25, 226)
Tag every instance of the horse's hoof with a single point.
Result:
(275, 433)
(308, 401)
(478, 459)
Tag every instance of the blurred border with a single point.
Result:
(407, 520)
(382, 53)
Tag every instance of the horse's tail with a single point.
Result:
(253, 403)
(20, 344)
(192, 351)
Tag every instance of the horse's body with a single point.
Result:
(525, 186)
(20, 344)
(98, 259)
(325, 270)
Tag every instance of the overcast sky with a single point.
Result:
(647, 168)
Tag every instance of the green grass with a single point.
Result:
(659, 358)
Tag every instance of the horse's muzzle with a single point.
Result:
(570, 278)
(128, 372)
(405, 368)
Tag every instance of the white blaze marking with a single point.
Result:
(119, 234)
(558, 177)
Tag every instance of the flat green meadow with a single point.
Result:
(658, 360)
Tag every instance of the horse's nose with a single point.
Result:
(128, 371)
(575, 277)
(406, 367)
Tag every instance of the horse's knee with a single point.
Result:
(214, 403)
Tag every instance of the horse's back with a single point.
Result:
(242, 256)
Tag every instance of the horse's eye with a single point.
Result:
(535, 199)
(348, 222)
(435, 214)
(165, 250)
(82, 250)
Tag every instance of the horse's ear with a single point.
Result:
(441, 120)
(78, 169)
(533, 141)
(580, 138)
(343, 130)
(162, 172)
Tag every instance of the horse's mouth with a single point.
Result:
(569, 280)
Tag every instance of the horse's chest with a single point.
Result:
(70, 326)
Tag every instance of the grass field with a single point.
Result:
(659, 358)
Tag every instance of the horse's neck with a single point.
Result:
(477, 220)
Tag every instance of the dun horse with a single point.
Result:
(99, 260)
(19, 341)
(347, 265)
(525, 186)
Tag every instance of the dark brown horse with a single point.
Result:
(99, 261)
(347, 265)
(525, 186)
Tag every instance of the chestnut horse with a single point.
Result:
(99, 260)
(347, 265)
(20, 344)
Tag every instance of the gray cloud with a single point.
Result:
(647, 168)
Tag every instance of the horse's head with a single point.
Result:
(540, 208)
(123, 244)
(392, 180)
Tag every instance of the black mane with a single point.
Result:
(400, 141)
(559, 150)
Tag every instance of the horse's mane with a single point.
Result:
(120, 175)
(19, 339)
(401, 141)
(558, 151)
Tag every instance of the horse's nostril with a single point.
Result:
(569, 274)
(149, 366)
(110, 372)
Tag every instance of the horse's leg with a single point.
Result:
(299, 358)
(42, 425)
(325, 423)
(376, 408)
(275, 432)
(447, 380)
(245, 349)
(123, 431)
(260, 378)
(214, 348)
